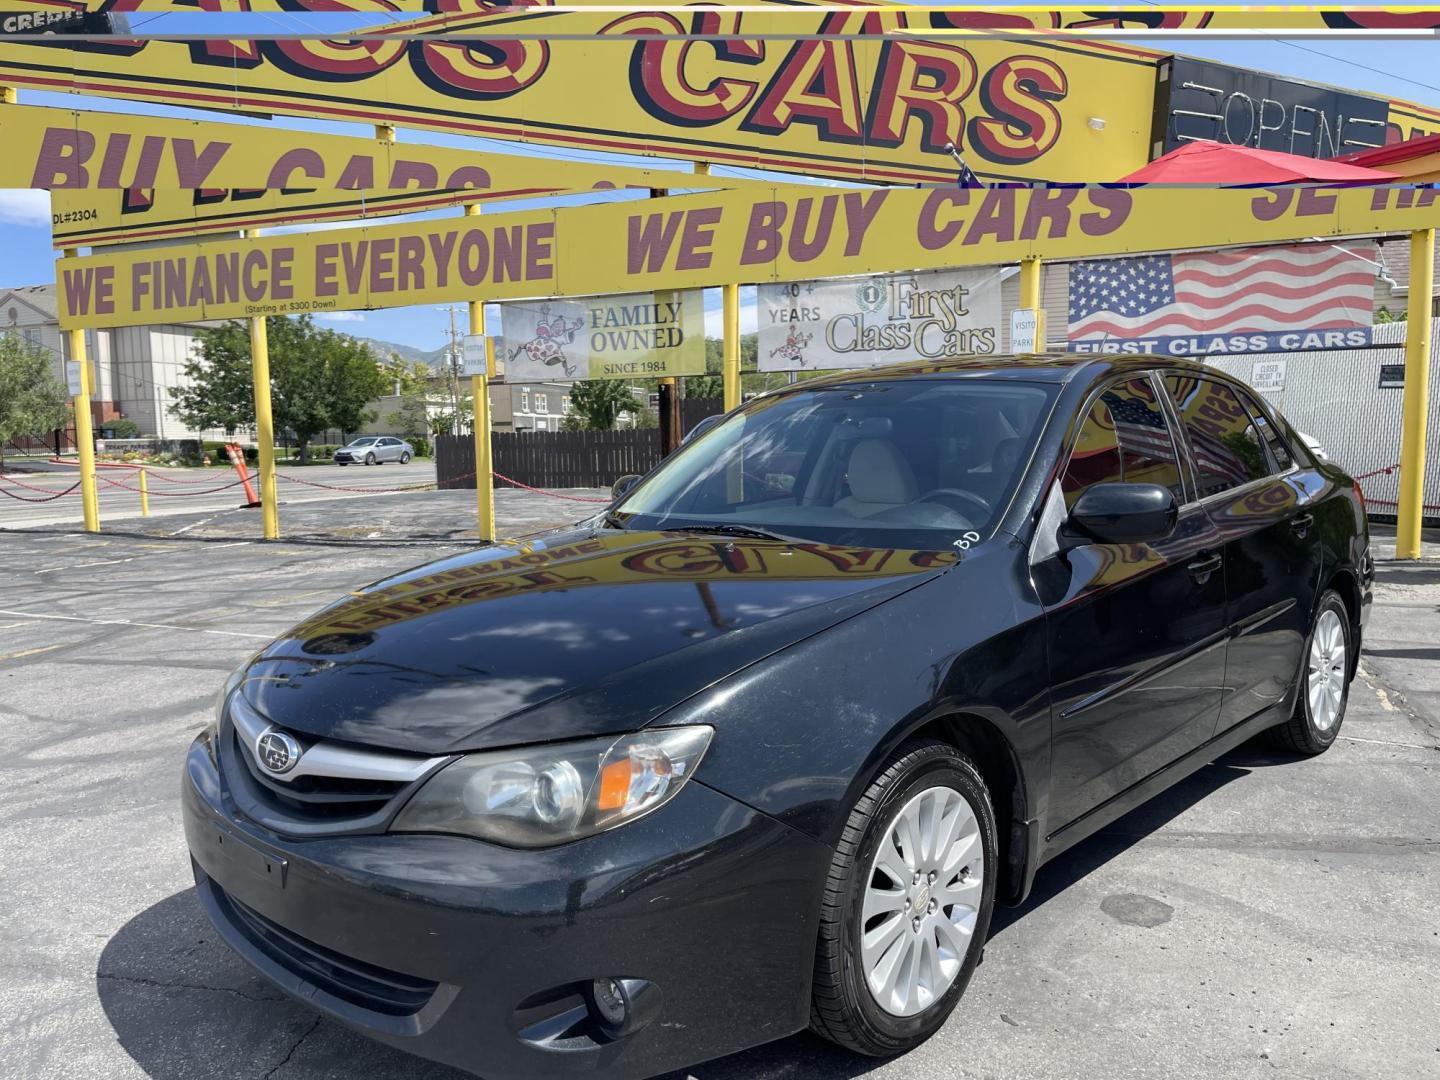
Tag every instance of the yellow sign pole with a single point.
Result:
(84, 431)
(480, 403)
(730, 354)
(1030, 296)
(264, 422)
(1410, 510)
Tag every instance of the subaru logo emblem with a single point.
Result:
(277, 751)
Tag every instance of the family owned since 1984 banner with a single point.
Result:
(640, 335)
(1210, 303)
(866, 322)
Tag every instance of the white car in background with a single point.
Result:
(373, 450)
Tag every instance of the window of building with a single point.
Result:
(32, 335)
(1125, 439)
(525, 400)
(1227, 447)
(565, 404)
(542, 403)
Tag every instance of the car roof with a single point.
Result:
(1055, 367)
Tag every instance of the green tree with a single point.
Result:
(1385, 315)
(32, 401)
(595, 404)
(319, 379)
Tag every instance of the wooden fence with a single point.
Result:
(551, 459)
(561, 459)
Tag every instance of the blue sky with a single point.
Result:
(1403, 69)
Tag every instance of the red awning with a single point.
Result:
(1221, 163)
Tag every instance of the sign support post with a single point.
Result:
(730, 355)
(84, 431)
(480, 405)
(1410, 510)
(264, 421)
(1030, 297)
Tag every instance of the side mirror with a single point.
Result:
(623, 485)
(704, 424)
(1121, 514)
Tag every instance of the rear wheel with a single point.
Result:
(907, 903)
(1324, 686)
(405, 457)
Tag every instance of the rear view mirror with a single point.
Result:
(1122, 514)
(623, 485)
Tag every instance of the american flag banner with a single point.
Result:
(1304, 296)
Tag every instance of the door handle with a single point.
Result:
(1202, 568)
(1301, 523)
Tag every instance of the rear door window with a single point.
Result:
(1280, 455)
(1224, 441)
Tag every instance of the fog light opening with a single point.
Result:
(612, 1006)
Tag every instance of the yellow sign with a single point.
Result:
(819, 101)
(643, 335)
(688, 241)
(115, 176)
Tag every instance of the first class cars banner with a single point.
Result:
(786, 233)
(643, 335)
(869, 321)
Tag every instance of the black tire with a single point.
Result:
(370, 458)
(342, 464)
(1301, 734)
(405, 457)
(843, 1009)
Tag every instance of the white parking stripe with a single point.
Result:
(140, 625)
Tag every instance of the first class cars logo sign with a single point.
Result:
(866, 322)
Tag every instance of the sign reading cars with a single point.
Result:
(866, 322)
(642, 335)
(817, 99)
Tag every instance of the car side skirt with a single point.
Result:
(1119, 805)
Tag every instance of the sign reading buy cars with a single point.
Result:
(689, 241)
(644, 335)
(866, 322)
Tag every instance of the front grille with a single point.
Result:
(320, 796)
(378, 989)
(333, 788)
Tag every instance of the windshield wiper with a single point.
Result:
(736, 530)
(611, 519)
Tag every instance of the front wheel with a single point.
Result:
(370, 458)
(1324, 688)
(907, 903)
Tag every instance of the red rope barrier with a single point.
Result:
(51, 498)
(360, 490)
(542, 491)
(173, 494)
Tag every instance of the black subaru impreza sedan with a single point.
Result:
(760, 746)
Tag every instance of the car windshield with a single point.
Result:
(364, 442)
(912, 463)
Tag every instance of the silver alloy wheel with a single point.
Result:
(1325, 678)
(921, 901)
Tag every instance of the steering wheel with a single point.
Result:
(986, 510)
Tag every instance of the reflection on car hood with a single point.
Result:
(575, 634)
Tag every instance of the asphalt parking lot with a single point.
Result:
(1269, 917)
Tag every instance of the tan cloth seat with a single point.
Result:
(880, 479)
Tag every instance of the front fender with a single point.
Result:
(800, 734)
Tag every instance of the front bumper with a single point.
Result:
(432, 943)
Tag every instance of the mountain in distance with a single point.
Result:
(433, 358)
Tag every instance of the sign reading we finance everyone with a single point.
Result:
(641, 335)
(692, 241)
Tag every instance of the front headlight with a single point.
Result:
(542, 795)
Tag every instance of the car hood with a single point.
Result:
(573, 634)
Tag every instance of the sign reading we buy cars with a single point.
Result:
(688, 241)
